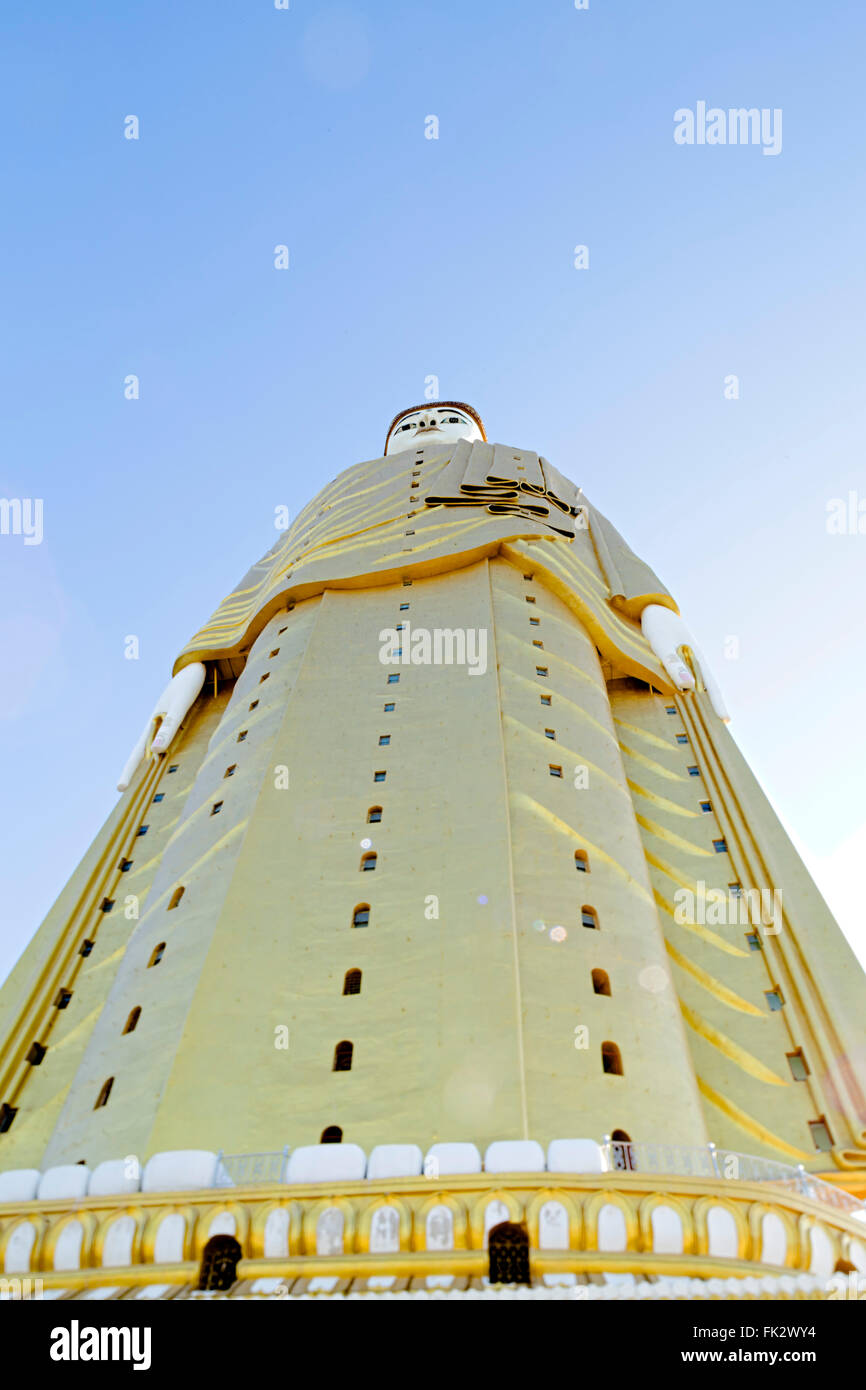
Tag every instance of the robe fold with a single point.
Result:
(362, 531)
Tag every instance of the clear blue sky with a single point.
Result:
(412, 257)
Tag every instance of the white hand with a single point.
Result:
(168, 714)
(667, 634)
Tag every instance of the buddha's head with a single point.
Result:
(440, 422)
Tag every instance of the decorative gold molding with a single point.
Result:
(637, 1195)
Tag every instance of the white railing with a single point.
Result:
(241, 1170)
(713, 1162)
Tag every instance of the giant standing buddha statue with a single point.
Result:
(440, 940)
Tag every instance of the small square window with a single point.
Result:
(407, 583)
(821, 1136)
(125, 866)
(62, 999)
(404, 608)
(774, 999)
(530, 598)
(535, 622)
(264, 677)
(399, 627)
(216, 808)
(253, 705)
(379, 776)
(754, 940)
(230, 771)
(797, 1063)
(670, 709)
(735, 890)
(384, 740)
(694, 772)
(550, 733)
(242, 735)
(389, 709)
(160, 796)
(408, 533)
(705, 806)
(529, 578)
(545, 699)
(536, 643)
(275, 652)
(393, 679)
(682, 738)
(174, 767)
(541, 671)
(554, 770)
(142, 830)
(106, 905)
(720, 846)
(86, 948)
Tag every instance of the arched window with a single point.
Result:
(158, 953)
(600, 982)
(343, 1056)
(622, 1151)
(611, 1061)
(352, 982)
(102, 1098)
(368, 861)
(175, 898)
(361, 915)
(130, 1025)
(219, 1263)
(589, 917)
(332, 1135)
(374, 814)
(508, 1249)
(581, 861)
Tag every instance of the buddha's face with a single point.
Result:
(435, 425)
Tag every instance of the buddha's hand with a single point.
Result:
(667, 634)
(168, 714)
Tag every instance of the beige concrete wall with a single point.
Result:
(53, 958)
(465, 1022)
(199, 855)
(737, 1044)
(436, 1052)
(588, 809)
